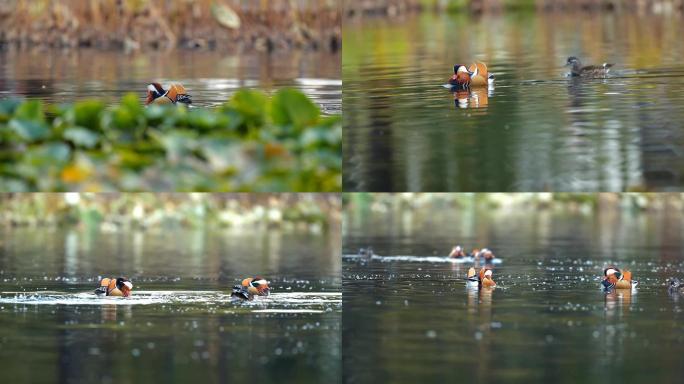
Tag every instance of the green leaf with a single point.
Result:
(132, 104)
(87, 114)
(156, 114)
(30, 110)
(177, 143)
(29, 130)
(129, 116)
(202, 119)
(292, 107)
(252, 104)
(49, 154)
(82, 137)
(7, 108)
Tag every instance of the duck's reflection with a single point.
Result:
(618, 302)
(473, 97)
(613, 337)
(109, 312)
(480, 301)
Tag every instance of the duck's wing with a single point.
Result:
(240, 292)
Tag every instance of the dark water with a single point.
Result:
(413, 321)
(536, 130)
(210, 77)
(179, 325)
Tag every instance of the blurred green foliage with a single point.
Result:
(251, 143)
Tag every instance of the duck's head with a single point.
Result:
(154, 90)
(256, 286)
(366, 252)
(457, 251)
(461, 77)
(486, 273)
(612, 271)
(575, 63)
(124, 285)
(487, 254)
(178, 94)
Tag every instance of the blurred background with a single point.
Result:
(183, 253)
(535, 129)
(397, 7)
(62, 50)
(408, 316)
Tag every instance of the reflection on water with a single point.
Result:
(472, 98)
(539, 130)
(211, 77)
(180, 325)
(415, 321)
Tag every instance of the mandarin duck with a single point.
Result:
(486, 254)
(366, 253)
(587, 71)
(457, 252)
(472, 279)
(674, 284)
(614, 278)
(483, 279)
(476, 75)
(486, 277)
(479, 76)
(250, 287)
(461, 77)
(114, 287)
(175, 94)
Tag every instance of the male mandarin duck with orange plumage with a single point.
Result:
(614, 278)
(176, 93)
(483, 279)
(476, 75)
(120, 287)
(250, 287)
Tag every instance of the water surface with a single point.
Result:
(408, 316)
(536, 130)
(211, 77)
(180, 325)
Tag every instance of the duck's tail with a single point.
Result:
(101, 291)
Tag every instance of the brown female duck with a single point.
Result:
(587, 71)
